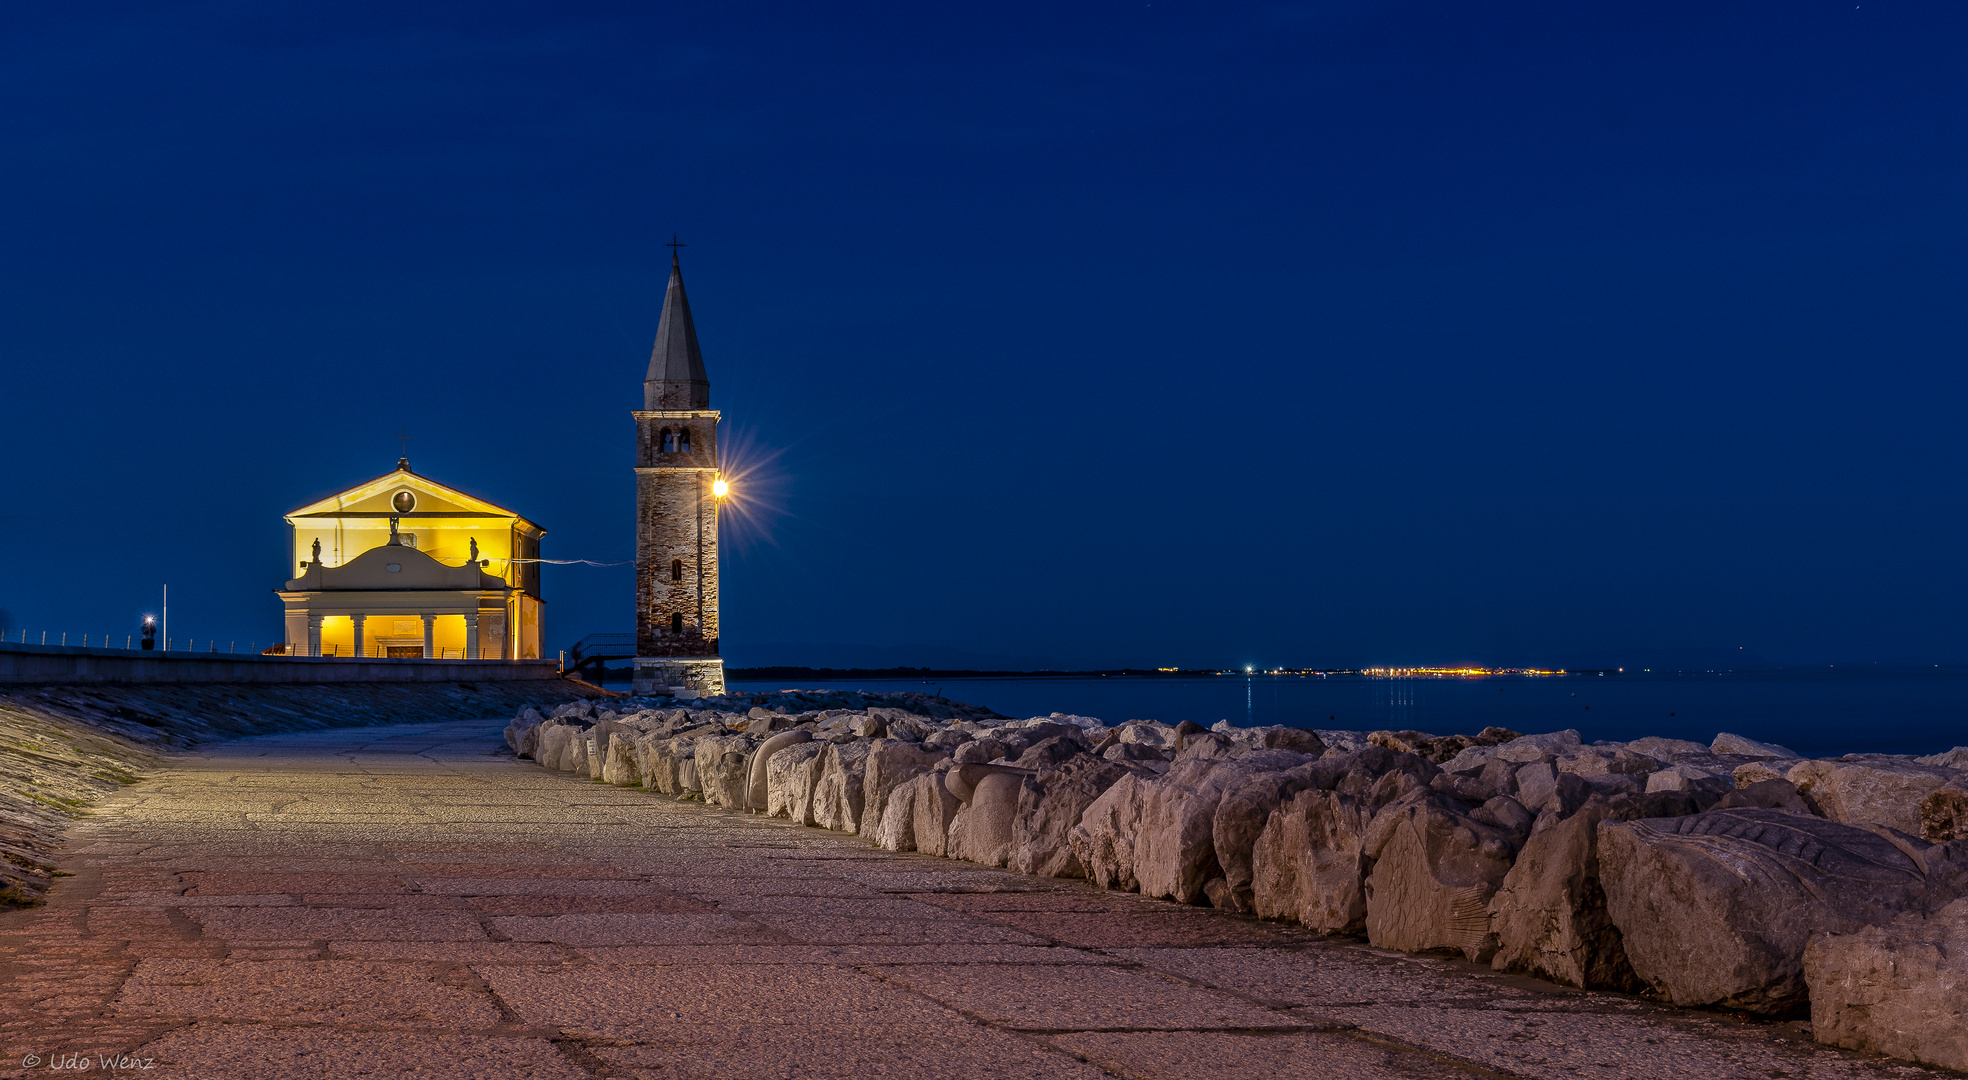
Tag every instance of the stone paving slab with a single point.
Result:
(407, 901)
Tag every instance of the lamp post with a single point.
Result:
(167, 616)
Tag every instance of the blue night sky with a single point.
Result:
(1093, 334)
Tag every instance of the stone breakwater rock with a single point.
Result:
(1436, 866)
(1956, 758)
(622, 764)
(838, 796)
(1309, 863)
(758, 779)
(1899, 989)
(722, 769)
(791, 774)
(1550, 914)
(1175, 852)
(891, 764)
(1725, 743)
(1050, 804)
(1441, 748)
(1870, 789)
(983, 829)
(932, 807)
(1716, 908)
(1944, 812)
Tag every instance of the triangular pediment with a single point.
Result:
(380, 497)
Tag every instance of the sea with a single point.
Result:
(1818, 713)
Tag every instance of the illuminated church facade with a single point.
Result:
(678, 491)
(403, 566)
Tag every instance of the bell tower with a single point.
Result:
(677, 493)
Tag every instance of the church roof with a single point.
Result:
(374, 498)
(676, 360)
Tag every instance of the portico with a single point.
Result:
(398, 601)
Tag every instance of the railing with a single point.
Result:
(134, 643)
(590, 655)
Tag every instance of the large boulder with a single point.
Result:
(1435, 868)
(516, 731)
(532, 741)
(1550, 915)
(1714, 909)
(1956, 758)
(1869, 789)
(838, 797)
(891, 764)
(1441, 748)
(1175, 851)
(894, 829)
(551, 748)
(1050, 752)
(1726, 743)
(791, 774)
(1944, 812)
(1050, 804)
(722, 769)
(982, 829)
(1244, 812)
(933, 805)
(669, 766)
(1667, 750)
(758, 778)
(622, 763)
(1899, 989)
(603, 735)
(1309, 862)
(1103, 841)
(1702, 784)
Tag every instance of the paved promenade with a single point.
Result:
(401, 901)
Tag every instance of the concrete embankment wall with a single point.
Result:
(56, 665)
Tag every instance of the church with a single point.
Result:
(678, 491)
(403, 566)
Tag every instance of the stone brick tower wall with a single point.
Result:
(677, 513)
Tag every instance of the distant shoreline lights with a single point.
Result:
(1398, 672)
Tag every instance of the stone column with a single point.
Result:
(358, 620)
(314, 635)
(430, 628)
(471, 635)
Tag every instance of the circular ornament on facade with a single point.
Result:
(404, 502)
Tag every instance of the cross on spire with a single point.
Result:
(673, 245)
(403, 449)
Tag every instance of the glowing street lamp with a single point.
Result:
(719, 488)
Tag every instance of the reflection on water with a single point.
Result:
(1811, 712)
(1396, 699)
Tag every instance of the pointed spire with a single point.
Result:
(676, 378)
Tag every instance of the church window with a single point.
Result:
(683, 441)
(669, 441)
(676, 569)
(676, 623)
